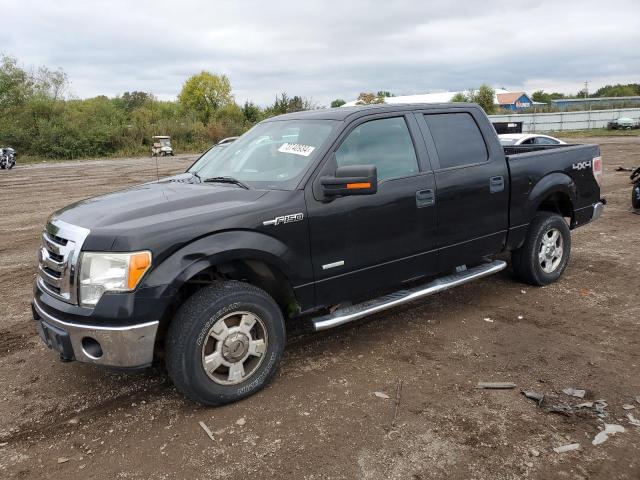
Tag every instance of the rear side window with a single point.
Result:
(458, 139)
(385, 143)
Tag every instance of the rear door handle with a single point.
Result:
(496, 184)
(425, 198)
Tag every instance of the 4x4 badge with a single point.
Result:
(294, 217)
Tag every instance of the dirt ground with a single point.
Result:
(320, 417)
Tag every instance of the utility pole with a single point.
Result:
(586, 89)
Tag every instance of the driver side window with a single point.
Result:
(385, 143)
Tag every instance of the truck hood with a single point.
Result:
(149, 210)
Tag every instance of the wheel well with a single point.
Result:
(558, 202)
(256, 272)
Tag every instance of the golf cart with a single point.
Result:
(161, 146)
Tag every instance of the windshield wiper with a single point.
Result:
(235, 181)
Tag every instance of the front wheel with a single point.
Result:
(545, 253)
(225, 343)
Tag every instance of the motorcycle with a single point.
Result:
(635, 193)
(7, 158)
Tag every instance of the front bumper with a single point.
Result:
(129, 346)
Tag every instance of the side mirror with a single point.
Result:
(351, 180)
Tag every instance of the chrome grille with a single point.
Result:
(58, 259)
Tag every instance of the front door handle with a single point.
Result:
(496, 184)
(425, 198)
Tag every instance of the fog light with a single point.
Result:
(91, 348)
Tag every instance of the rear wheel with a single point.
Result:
(546, 251)
(225, 343)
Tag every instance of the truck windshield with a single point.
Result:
(272, 155)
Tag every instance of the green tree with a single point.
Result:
(205, 93)
(135, 99)
(484, 97)
(285, 104)
(618, 90)
(16, 85)
(459, 97)
(338, 102)
(368, 98)
(252, 112)
(385, 94)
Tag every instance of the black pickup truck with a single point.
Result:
(322, 216)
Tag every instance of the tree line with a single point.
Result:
(38, 118)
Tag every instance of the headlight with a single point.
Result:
(110, 272)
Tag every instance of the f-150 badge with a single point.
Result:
(294, 217)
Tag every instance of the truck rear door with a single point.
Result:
(472, 184)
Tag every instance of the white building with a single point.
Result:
(504, 98)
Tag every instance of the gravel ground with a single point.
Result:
(320, 417)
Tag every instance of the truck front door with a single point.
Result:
(362, 243)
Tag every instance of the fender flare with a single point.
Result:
(556, 182)
(215, 249)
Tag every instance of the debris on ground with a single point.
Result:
(623, 169)
(496, 385)
(487, 319)
(561, 408)
(207, 431)
(74, 421)
(628, 406)
(398, 392)
(534, 452)
(574, 392)
(241, 421)
(3, 444)
(538, 397)
(567, 448)
(551, 403)
(600, 406)
(632, 420)
(609, 429)
(63, 460)
(381, 395)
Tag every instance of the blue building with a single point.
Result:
(515, 101)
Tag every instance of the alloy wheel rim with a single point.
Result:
(551, 250)
(234, 348)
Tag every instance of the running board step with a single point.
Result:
(354, 312)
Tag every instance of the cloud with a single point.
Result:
(326, 49)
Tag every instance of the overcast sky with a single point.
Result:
(326, 49)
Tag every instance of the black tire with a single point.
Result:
(10, 166)
(188, 335)
(525, 260)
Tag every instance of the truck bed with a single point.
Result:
(568, 166)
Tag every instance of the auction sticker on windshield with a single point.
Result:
(296, 149)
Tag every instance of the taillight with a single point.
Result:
(598, 172)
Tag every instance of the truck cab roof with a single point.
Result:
(349, 113)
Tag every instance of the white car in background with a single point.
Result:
(511, 139)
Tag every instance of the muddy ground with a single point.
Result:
(320, 417)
